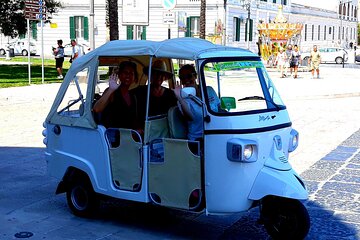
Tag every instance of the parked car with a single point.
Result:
(329, 55)
(3, 49)
(357, 58)
(68, 49)
(21, 47)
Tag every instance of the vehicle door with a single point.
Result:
(174, 161)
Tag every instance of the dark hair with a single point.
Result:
(188, 67)
(125, 64)
(60, 41)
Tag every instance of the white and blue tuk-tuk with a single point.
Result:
(242, 161)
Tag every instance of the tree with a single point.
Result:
(112, 21)
(202, 18)
(12, 18)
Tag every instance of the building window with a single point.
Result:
(305, 35)
(339, 33)
(313, 30)
(79, 28)
(274, 1)
(319, 32)
(333, 32)
(236, 29)
(250, 30)
(130, 32)
(325, 32)
(284, 2)
(34, 30)
(192, 26)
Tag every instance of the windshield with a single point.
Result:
(239, 87)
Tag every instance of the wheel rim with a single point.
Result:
(79, 198)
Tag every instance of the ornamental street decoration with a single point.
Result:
(278, 34)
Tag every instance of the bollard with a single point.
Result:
(7, 54)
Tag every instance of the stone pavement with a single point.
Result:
(325, 111)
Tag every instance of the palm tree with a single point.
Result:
(112, 17)
(202, 18)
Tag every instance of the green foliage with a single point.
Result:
(12, 18)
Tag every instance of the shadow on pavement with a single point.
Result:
(28, 189)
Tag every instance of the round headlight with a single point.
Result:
(295, 140)
(248, 151)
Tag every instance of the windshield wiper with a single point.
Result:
(260, 98)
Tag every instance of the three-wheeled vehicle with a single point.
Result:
(241, 162)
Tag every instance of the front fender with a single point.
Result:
(270, 181)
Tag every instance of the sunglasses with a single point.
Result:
(187, 76)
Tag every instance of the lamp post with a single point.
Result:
(246, 4)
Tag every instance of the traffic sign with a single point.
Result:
(36, 9)
(169, 17)
(169, 4)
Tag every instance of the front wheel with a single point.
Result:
(339, 60)
(284, 218)
(82, 199)
(24, 52)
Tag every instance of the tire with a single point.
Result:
(285, 218)
(24, 52)
(339, 60)
(81, 198)
(2, 52)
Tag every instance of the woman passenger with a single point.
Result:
(117, 105)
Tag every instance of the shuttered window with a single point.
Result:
(250, 35)
(79, 27)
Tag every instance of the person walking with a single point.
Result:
(288, 52)
(281, 60)
(59, 58)
(314, 60)
(76, 51)
(295, 60)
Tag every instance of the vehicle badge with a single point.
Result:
(278, 142)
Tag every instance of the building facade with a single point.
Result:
(231, 22)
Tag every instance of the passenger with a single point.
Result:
(118, 105)
(191, 108)
(161, 98)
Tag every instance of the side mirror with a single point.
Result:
(228, 103)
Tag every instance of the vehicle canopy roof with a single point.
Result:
(177, 48)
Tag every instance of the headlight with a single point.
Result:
(241, 150)
(248, 151)
(294, 140)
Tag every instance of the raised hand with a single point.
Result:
(113, 82)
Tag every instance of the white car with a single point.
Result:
(68, 49)
(21, 47)
(329, 55)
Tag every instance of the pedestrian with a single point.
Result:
(59, 58)
(76, 50)
(295, 60)
(314, 60)
(288, 52)
(281, 60)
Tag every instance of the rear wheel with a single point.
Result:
(285, 218)
(82, 199)
(339, 60)
(24, 52)
(2, 52)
